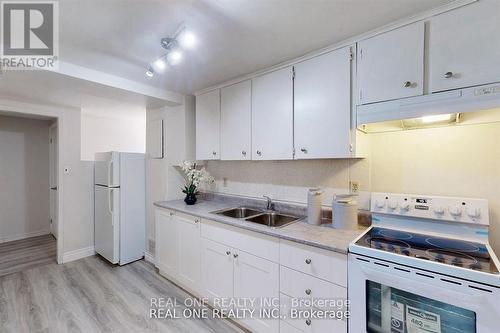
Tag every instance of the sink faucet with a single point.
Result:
(270, 203)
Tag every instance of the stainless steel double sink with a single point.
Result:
(269, 218)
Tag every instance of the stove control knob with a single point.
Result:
(438, 210)
(380, 204)
(393, 205)
(405, 207)
(455, 211)
(474, 213)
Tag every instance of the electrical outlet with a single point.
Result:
(354, 186)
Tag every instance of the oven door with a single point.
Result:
(390, 298)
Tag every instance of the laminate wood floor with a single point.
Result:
(26, 253)
(89, 295)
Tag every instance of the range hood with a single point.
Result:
(452, 102)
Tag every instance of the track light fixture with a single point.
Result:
(174, 46)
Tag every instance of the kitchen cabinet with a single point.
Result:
(322, 106)
(272, 115)
(391, 65)
(217, 270)
(208, 125)
(256, 278)
(166, 243)
(188, 239)
(236, 121)
(464, 47)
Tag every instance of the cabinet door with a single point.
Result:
(236, 121)
(257, 278)
(464, 46)
(208, 126)
(166, 243)
(391, 65)
(272, 116)
(322, 99)
(216, 270)
(188, 231)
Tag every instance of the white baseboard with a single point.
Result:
(24, 235)
(78, 254)
(148, 256)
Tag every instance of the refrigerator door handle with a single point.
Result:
(110, 173)
(110, 203)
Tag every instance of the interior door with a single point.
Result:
(463, 54)
(391, 65)
(107, 222)
(272, 116)
(322, 106)
(257, 278)
(53, 191)
(236, 121)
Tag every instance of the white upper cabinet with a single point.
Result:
(236, 121)
(391, 65)
(322, 104)
(208, 126)
(464, 46)
(272, 116)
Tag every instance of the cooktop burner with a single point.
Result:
(438, 249)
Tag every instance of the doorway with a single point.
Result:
(28, 150)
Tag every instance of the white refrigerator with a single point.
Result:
(120, 206)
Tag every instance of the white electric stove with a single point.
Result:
(425, 266)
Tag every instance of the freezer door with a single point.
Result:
(107, 222)
(107, 169)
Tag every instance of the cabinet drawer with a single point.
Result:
(257, 244)
(310, 325)
(300, 285)
(328, 265)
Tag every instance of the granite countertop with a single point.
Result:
(324, 236)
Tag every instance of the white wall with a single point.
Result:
(24, 178)
(111, 125)
(164, 179)
(452, 161)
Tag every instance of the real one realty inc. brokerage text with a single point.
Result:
(248, 307)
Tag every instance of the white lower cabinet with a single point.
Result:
(215, 261)
(166, 243)
(188, 238)
(216, 269)
(177, 248)
(256, 278)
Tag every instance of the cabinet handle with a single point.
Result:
(171, 213)
(308, 322)
(303, 150)
(214, 153)
(407, 84)
(196, 220)
(448, 75)
(308, 261)
(228, 253)
(235, 255)
(244, 153)
(308, 291)
(259, 152)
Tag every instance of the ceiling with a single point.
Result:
(52, 88)
(236, 37)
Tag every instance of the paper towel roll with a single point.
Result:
(314, 206)
(345, 213)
